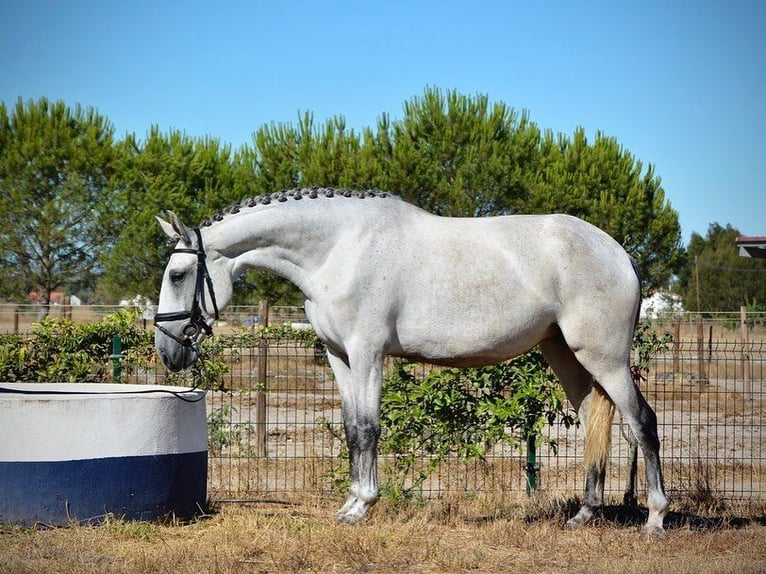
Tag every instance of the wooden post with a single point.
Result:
(16, 320)
(745, 348)
(676, 348)
(701, 376)
(260, 394)
(709, 349)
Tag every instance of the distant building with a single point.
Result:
(752, 246)
(141, 303)
(661, 304)
(57, 298)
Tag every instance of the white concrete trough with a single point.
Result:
(78, 452)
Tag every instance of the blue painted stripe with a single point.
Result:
(84, 491)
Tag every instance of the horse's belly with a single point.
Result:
(477, 343)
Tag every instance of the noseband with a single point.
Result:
(196, 320)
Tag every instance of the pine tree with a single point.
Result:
(55, 197)
(194, 177)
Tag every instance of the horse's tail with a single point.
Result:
(598, 429)
(637, 271)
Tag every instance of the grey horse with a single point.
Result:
(383, 277)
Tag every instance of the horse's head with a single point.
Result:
(196, 284)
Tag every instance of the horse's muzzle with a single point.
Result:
(175, 356)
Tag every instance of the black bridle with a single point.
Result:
(196, 319)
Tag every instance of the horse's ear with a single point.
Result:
(176, 230)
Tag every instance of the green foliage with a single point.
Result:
(648, 344)
(60, 350)
(77, 209)
(210, 368)
(756, 313)
(605, 185)
(193, 177)
(306, 155)
(55, 198)
(14, 353)
(457, 155)
(726, 280)
(464, 413)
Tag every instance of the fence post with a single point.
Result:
(701, 376)
(261, 433)
(676, 349)
(745, 348)
(532, 466)
(16, 320)
(116, 358)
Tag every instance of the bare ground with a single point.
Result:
(449, 536)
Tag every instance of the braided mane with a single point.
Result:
(292, 194)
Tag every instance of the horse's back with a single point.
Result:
(467, 291)
(478, 290)
(557, 256)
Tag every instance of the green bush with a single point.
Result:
(464, 412)
(60, 350)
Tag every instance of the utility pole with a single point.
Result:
(697, 280)
(701, 377)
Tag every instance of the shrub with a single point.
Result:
(464, 413)
(60, 350)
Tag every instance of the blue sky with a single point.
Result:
(681, 85)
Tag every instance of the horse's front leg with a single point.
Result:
(359, 383)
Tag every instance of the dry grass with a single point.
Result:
(447, 536)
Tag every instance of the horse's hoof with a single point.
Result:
(347, 518)
(655, 531)
(574, 523)
(581, 518)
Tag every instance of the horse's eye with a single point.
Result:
(177, 276)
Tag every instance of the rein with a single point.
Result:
(42, 391)
(196, 319)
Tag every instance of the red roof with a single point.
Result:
(742, 239)
(752, 246)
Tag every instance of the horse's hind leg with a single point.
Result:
(595, 411)
(359, 389)
(616, 380)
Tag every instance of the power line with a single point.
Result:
(734, 269)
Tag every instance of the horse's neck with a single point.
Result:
(288, 240)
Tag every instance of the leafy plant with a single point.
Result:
(209, 369)
(756, 313)
(61, 350)
(225, 433)
(464, 413)
(647, 344)
(307, 337)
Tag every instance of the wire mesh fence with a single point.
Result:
(275, 430)
(281, 435)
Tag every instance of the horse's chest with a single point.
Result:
(324, 324)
